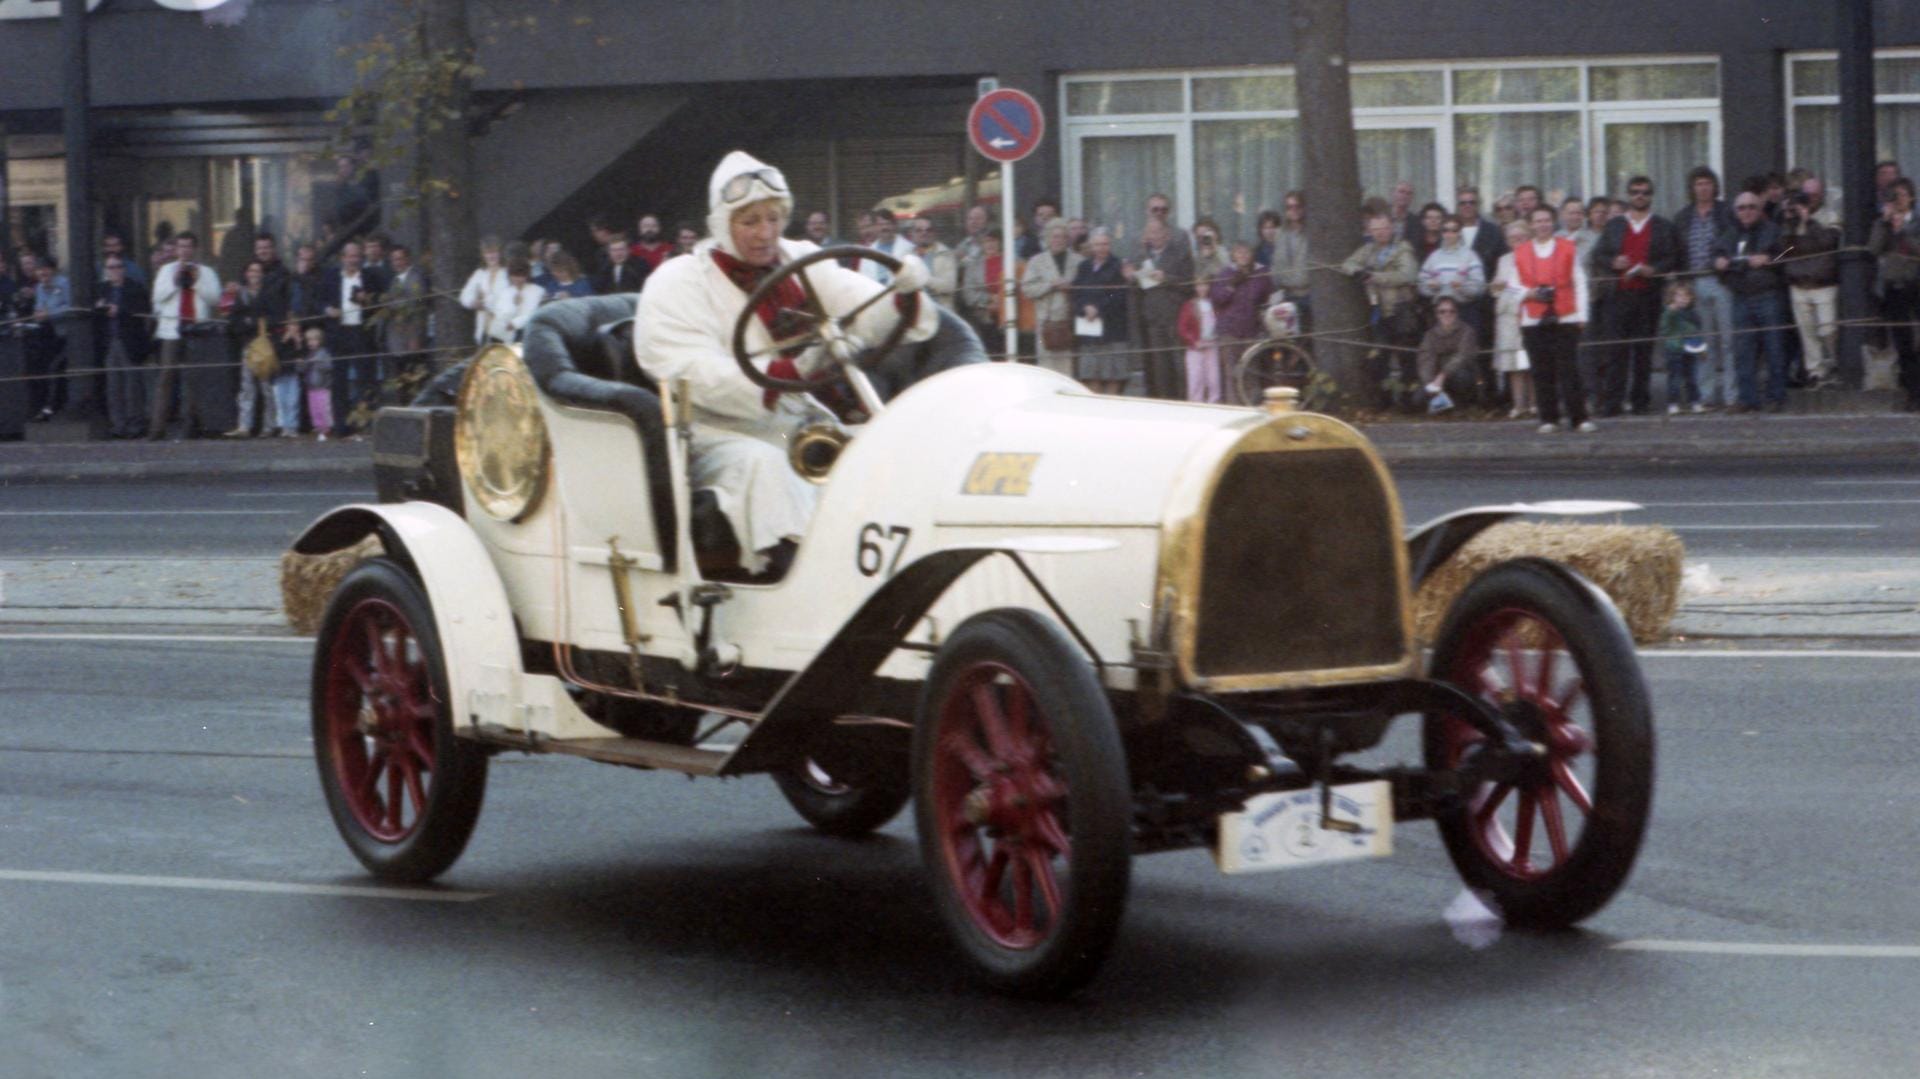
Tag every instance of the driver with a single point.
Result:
(688, 309)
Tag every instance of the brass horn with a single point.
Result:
(814, 448)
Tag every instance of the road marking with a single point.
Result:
(269, 887)
(1783, 653)
(149, 513)
(1798, 502)
(1775, 528)
(1834, 951)
(300, 494)
(184, 637)
(1864, 483)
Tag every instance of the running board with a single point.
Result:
(635, 752)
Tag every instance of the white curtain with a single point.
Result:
(1816, 142)
(1498, 152)
(1241, 167)
(1662, 152)
(1117, 173)
(1390, 155)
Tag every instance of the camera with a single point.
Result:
(1550, 317)
(186, 276)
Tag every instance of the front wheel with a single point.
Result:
(1022, 803)
(1545, 647)
(403, 790)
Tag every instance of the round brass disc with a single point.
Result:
(498, 435)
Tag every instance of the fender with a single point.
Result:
(478, 642)
(1431, 544)
(830, 686)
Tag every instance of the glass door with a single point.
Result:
(1393, 149)
(1661, 147)
(1113, 171)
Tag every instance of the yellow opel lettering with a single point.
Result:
(1000, 474)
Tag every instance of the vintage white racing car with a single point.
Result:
(1070, 628)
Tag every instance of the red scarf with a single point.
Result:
(789, 296)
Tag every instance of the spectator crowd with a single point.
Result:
(1554, 311)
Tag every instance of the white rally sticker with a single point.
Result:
(1282, 830)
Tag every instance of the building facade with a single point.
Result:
(212, 119)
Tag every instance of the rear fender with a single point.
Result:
(478, 641)
(1431, 544)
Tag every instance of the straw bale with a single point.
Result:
(308, 581)
(1637, 565)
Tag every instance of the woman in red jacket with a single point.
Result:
(1547, 271)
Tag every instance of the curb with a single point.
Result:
(110, 471)
(1595, 449)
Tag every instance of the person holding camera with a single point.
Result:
(186, 298)
(1813, 282)
(1553, 310)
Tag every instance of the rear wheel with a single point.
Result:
(1022, 803)
(403, 790)
(1549, 650)
(848, 807)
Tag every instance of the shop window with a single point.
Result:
(1118, 97)
(1516, 86)
(1654, 82)
(1243, 93)
(1500, 151)
(1398, 89)
(1241, 167)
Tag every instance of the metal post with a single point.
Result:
(1861, 203)
(82, 402)
(1008, 251)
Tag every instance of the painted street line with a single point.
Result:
(206, 884)
(185, 638)
(1866, 483)
(149, 513)
(300, 494)
(1775, 528)
(1763, 653)
(1797, 502)
(1823, 951)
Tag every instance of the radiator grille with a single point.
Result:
(1298, 568)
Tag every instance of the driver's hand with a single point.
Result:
(912, 275)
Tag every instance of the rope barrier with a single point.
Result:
(154, 366)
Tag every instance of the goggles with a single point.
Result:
(740, 186)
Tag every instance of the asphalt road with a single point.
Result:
(1730, 509)
(611, 922)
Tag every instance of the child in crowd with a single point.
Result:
(1199, 331)
(1682, 341)
(316, 374)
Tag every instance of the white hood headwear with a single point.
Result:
(770, 184)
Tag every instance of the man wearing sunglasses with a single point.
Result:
(1635, 253)
(688, 309)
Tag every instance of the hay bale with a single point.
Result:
(308, 581)
(1637, 565)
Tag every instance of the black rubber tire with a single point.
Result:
(851, 809)
(1086, 752)
(1621, 742)
(458, 776)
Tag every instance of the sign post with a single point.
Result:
(1005, 126)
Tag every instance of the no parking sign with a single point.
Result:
(1006, 125)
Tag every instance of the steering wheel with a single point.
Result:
(827, 329)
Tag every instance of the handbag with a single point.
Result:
(261, 358)
(1057, 334)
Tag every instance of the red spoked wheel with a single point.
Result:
(1022, 803)
(1547, 649)
(403, 791)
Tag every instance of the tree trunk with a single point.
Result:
(446, 205)
(1332, 175)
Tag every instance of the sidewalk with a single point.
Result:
(1418, 442)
